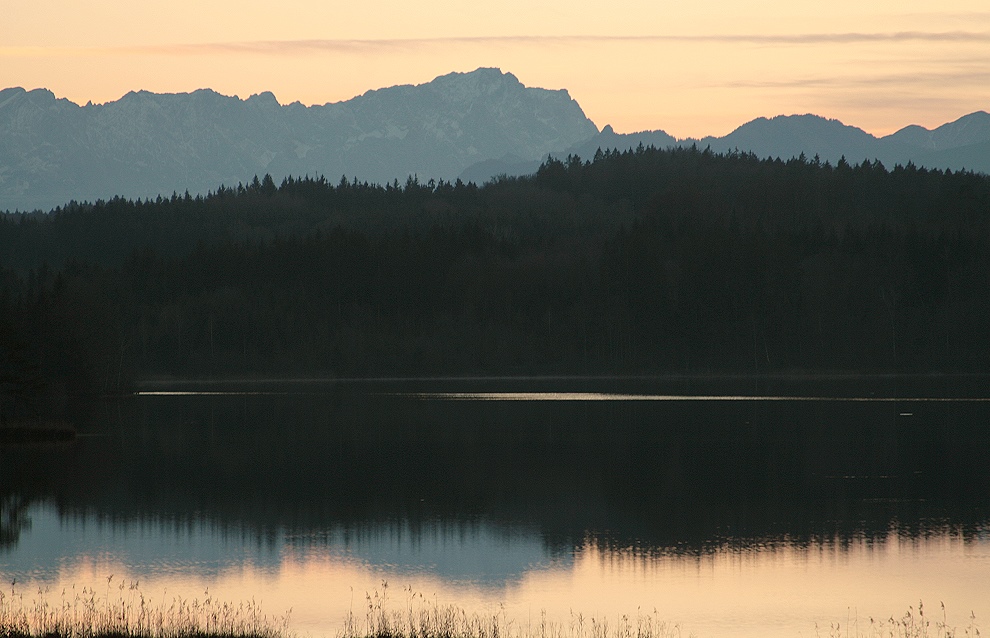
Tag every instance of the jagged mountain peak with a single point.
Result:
(149, 143)
(137, 97)
(484, 80)
(199, 96)
(40, 98)
(10, 96)
(11, 93)
(454, 87)
(265, 97)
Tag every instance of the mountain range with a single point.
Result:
(960, 145)
(473, 126)
(146, 144)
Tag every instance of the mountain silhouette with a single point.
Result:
(960, 145)
(790, 136)
(146, 144)
(475, 126)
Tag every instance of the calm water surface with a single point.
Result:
(738, 508)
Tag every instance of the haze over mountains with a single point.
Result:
(470, 125)
(960, 145)
(145, 144)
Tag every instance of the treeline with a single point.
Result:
(644, 261)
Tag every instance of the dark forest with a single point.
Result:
(646, 261)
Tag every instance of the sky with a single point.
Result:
(689, 67)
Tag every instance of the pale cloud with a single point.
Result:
(386, 45)
(957, 16)
(979, 78)
(906, 107)
(879, 77)
(339, 45)
(304, 46)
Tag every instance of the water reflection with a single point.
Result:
(722, 515)
(774, 587)
(602, 396)
(486, 556)
(14, 519)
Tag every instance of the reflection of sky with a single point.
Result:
(51, 544)
(769, 590)
(476, 553)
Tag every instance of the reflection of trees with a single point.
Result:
(13, 519)
(653, 473)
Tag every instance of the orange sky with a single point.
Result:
(689, 67)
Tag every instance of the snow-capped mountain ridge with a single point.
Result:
(474, 125)
(146, 144)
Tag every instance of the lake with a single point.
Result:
(721, 507)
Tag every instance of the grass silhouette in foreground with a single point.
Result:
(125, 612)
(86, 614)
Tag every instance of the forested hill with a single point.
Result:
(646, 261)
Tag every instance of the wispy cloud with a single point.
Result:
(914, 96)
(957, 16)
(979, 78)
(907, 107)
(309, 46)
(385, 45)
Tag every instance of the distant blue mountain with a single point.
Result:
(475, 126)
(790, 136)
(963, 144)
(145, 144)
